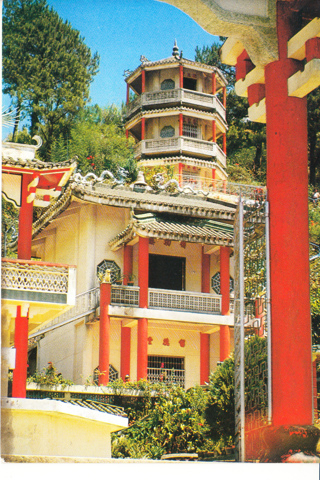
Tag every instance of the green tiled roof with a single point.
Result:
(170, 227)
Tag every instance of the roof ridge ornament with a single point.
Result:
(92, 178)
(160, 185)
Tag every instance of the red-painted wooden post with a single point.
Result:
(287, 182)
(225, 301)
(125, 352)
(204, 357)
(127, 263)
(143, 128)
(143, 279)
(143, 81)
(214, 131)
(214, 83)
(25, 220)
(204, 337)
(21, 346)
(205, 272)
(181, 76)
(104, 338)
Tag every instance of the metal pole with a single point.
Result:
(242, 358)
(268, 307)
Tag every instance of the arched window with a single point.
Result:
(167, 131)
(167, 84)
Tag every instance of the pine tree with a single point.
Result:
(47, 68)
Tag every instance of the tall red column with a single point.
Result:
(214, 83)
(143, 274)
(180, 173)
(204, 358)
(143, 81)
(180, 124)
(225, 301)
(204, 337)
(181, 76)
(224, 101)
(25, 221)
(287, 182)
(21, 345)
(214, 131)
(205, 272)
(104, 338)
(127, 263)
(125, 352)
(143, 128)
(224, 143)
(128, 93)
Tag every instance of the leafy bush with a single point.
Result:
(49, 376)
(174, 424)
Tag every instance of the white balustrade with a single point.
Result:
(161, 97)
(34, 276)
(186, 301)
(125, 295)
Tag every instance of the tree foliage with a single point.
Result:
(47, 68)
(220, 410)
(98, 140)
(174, 424)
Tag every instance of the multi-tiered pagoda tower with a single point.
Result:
(178, 118)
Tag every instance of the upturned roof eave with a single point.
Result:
(172, 61)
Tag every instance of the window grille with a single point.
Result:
(115, 270)
(190, 130)
(167, 131)
(167, 84)
(168, 370)
(215, 283)
(113, 374)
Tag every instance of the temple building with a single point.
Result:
(178, 118)
(154, 274)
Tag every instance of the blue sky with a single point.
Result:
(122, 30)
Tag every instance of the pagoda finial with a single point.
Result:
(175, 51)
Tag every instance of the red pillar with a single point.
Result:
(143, 278)
(224, 90)
(214, 178)
(25, 221)
(104, 337)
(143, 81)
(287, 182)
(180, 124)
(127, 263)
(214, 131)
(181, 76)
(128, 93)
(204, 358)
(180, 173)
(214, 83)
(125, 352)
(143, 128)
(205, 273)
(224, 144)
(225, 301)
(21, 346)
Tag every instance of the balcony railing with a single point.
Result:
(180, 144)
(165, 97)
(125, 295)
(185, 301)
(38, 281)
